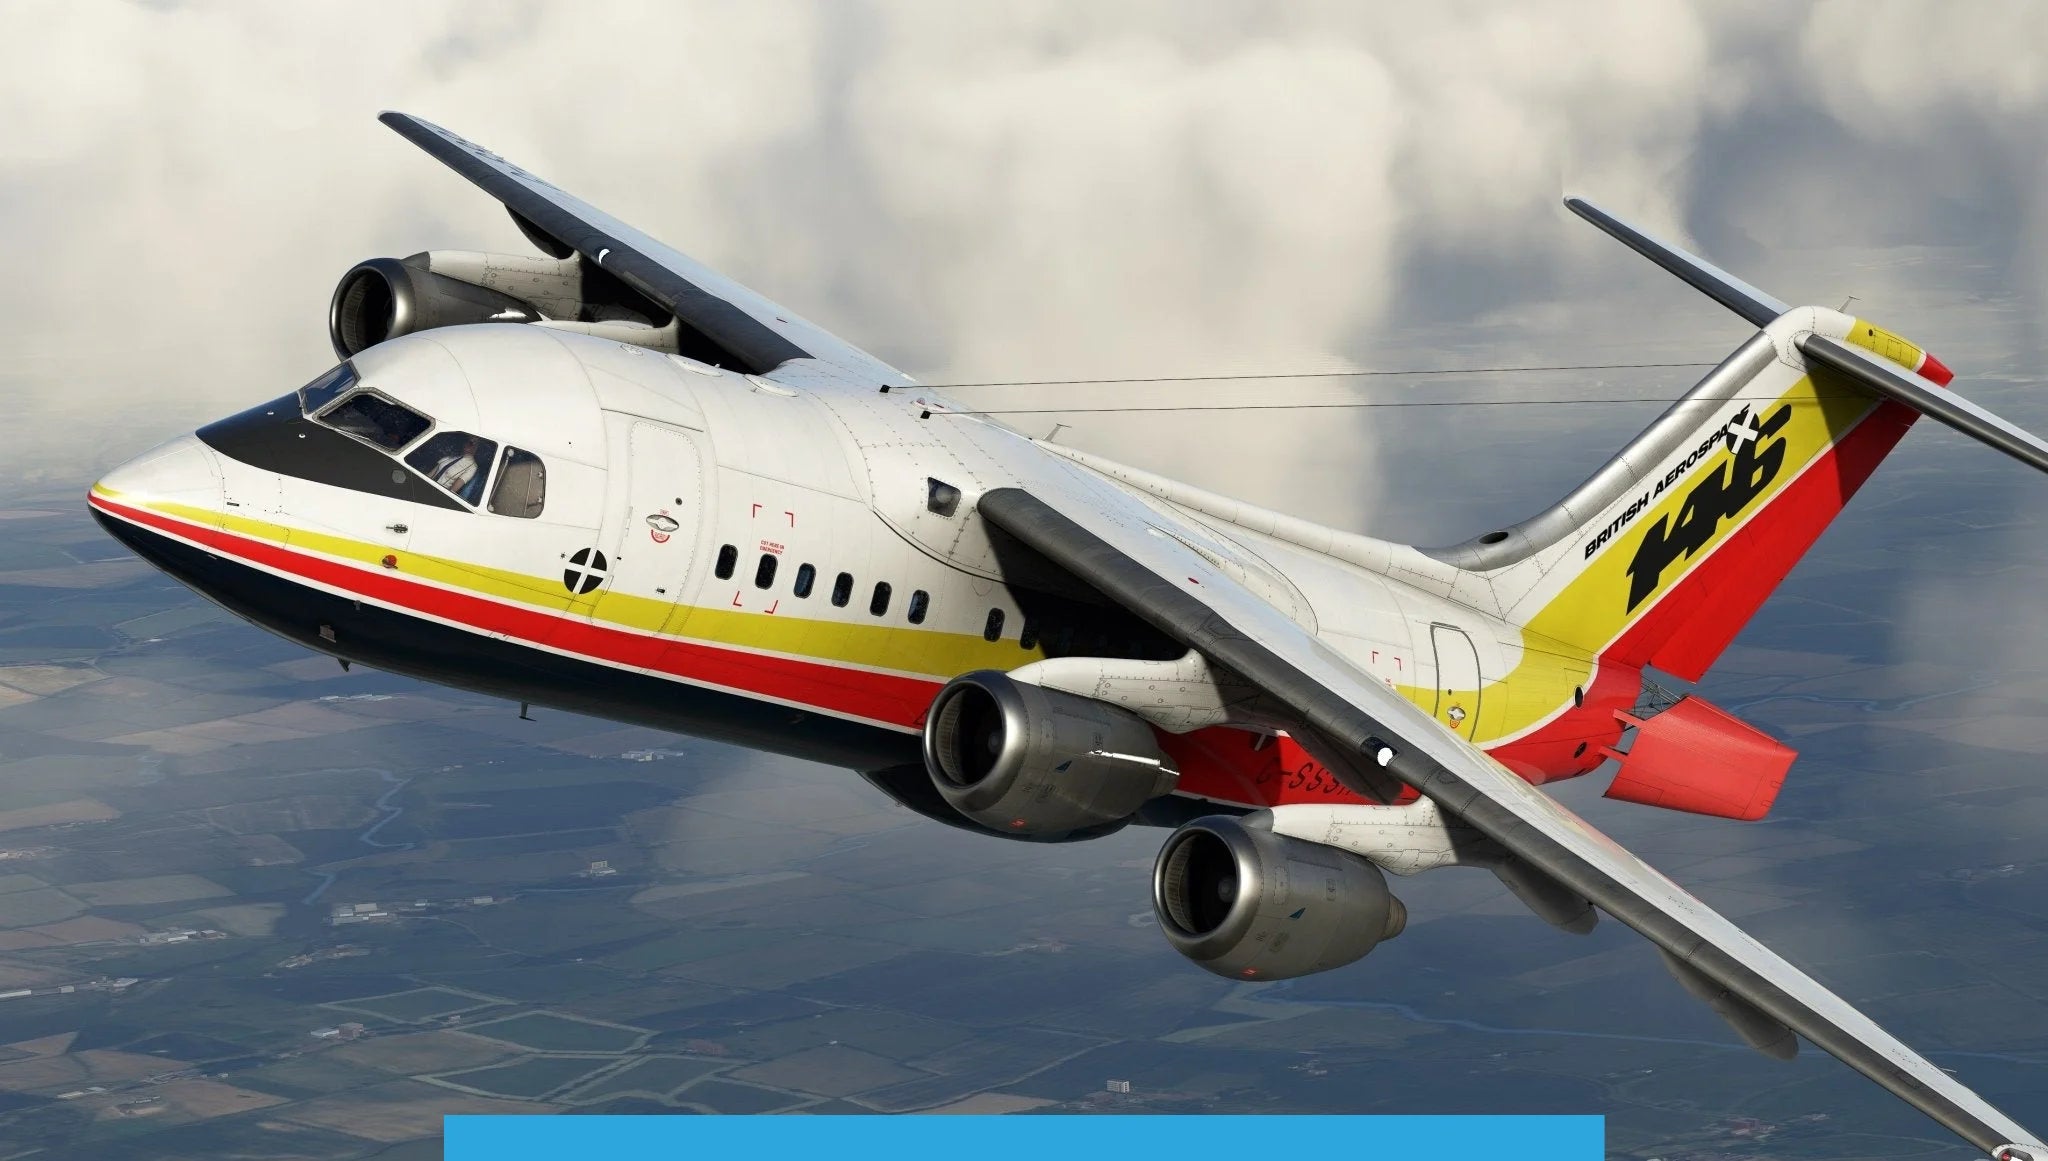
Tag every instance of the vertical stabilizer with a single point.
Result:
(1668, 550)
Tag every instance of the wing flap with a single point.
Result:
(1152, 574)
(759, 334)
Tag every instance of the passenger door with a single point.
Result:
(649, 542)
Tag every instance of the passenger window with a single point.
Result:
(728, 559)
(920, 604)
(806, 576)
(369, 416)
(456, 460)
(522, 488)
(879, 603)
(326, 389)
(842, 590)
(992, 629)
(764, 573)
(1027, 638)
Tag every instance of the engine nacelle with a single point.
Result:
(1024, 760)
(384, 298)
(1250, 904)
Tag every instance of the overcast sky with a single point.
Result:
(1042, 190)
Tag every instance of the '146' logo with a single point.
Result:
(1722, 494)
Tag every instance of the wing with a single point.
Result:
(1143, 560)
(759, 334)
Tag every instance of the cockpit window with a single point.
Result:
(277, 437)
(326, 389)
(522, 485)
(371, 417)
(456, 460)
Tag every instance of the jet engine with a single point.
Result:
(384, 298)
(387, 297)
(1250, 904)
(1023, 760)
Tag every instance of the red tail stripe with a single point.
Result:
(1697, 619)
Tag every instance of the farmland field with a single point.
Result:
(527, 1079)
(417, 1004)
(655, 1075)
(548, 1032)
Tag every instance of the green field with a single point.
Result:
(417, 1005)
(727, 1097)
(528, 1079)
(688, 947)
(31, 907)
(548, 1032)
(655, 1076)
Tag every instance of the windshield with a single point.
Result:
(371, 417)
(326, 389)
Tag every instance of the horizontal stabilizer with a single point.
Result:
(1732, 292)
(1942, 406)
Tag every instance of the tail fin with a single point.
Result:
(1667, 551)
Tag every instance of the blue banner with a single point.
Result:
(1022, 1138)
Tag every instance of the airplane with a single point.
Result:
(610, 480)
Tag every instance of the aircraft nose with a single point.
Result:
(183, 472)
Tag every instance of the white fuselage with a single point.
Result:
(785, 543)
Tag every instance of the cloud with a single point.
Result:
(1051, 190)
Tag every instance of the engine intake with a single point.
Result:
(384, 298)
(1246, 903)
(1024, 760)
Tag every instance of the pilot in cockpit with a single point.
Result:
(456, 460)
(456, 472)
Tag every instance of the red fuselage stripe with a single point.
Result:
(878, 697)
